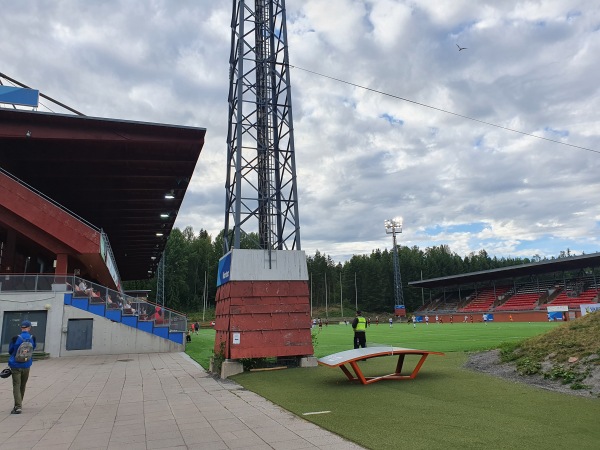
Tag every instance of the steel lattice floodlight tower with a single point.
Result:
(393, 226)
(261, 173)
(262, 304)
(160, 280)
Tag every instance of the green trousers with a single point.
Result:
(19, 379)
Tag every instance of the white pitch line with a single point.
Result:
(315, 412)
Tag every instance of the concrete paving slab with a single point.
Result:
(147, 401)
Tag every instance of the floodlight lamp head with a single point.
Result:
(393, 225)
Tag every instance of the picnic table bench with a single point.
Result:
(352, 357)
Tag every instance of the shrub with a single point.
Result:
(567, 375)
(218, 358)
(508, 351)
(528, 366)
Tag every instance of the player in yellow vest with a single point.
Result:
(359, 325)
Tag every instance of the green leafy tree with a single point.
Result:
(366, 281)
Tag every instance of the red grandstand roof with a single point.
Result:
(112, 173)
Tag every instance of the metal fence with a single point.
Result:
(142, 308)
(28, 283)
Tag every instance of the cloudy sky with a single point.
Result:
(362, 157)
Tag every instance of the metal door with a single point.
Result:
(79, 334)
(11, 326)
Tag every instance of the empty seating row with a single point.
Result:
(565, 298)
(529, 296)
(520, 302)
(484, 299)
(443, 303)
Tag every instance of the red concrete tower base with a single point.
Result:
(259, 319)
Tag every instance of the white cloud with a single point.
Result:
(529, 66)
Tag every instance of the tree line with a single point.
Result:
(364, 281)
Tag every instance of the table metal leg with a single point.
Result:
(400, 363)
(358, 372)
(347, 372)
(418, 366)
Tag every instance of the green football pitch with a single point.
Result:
(457, 337)
(446, 406)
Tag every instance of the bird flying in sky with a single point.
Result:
(461, 48)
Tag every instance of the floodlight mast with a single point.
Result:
(393, 226)
(261, 191)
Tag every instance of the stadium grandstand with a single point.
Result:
(547, 290)
(85, 204)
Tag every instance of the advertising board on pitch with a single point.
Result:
(589, 308)
(558, 308)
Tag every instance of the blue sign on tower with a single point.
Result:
(224, 269)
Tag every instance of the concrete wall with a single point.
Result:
(52, 302)
(253, 265)
(113, 338)
(109, 338)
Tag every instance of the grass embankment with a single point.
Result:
(568, 353)
(446, 406)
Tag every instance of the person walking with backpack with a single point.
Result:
(20, 350)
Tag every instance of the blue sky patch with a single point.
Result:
(475, 227)
(557, 133)
(391, 119)
(462, 28)
(549, 245)
(349, 102)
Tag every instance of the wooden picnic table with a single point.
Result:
(353, 357)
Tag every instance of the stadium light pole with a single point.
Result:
(394, 226)
(341, 296)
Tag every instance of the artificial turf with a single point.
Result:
(457, 337)
(446, 406)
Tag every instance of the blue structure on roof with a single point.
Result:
(19, 96)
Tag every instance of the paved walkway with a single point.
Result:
(147, 401)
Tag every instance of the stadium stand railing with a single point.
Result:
(137, 312)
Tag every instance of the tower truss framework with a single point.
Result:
(262, 195)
